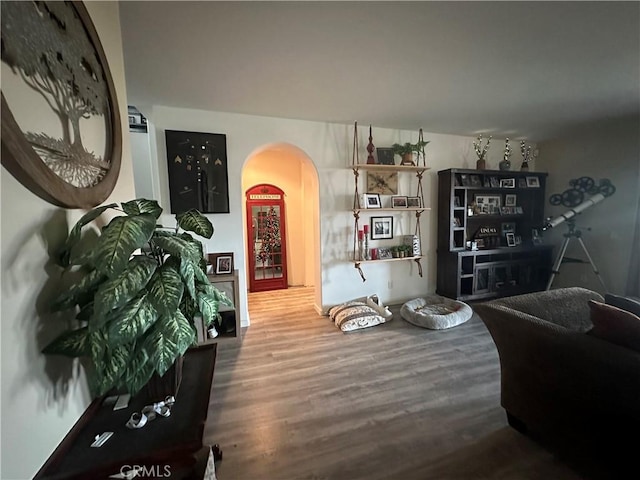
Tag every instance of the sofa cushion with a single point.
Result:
(625, 303)
(615, 325)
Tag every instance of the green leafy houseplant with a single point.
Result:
(407, 148)
(140, 288)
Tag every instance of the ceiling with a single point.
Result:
(518, 69)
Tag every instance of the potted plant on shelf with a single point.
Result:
(407, 250)
(407, 150)
(138, 289)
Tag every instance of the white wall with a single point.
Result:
(605, 150)
(42, 397)
(329, 146)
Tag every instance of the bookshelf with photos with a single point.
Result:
(489, 226)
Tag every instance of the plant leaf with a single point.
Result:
(119, 290)
(193, 221)
(166, 289)
(74, 234)
(186, 332)
(177, 246)
(138, 372)
(208, 306)
(72, 343)
(187, 271)
(142, 205)
(205, 286)
(188, 307)
(77, 291)
(132, 321)
(122, 237)
(161, 344)
(114, 366)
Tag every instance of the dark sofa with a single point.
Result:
(560, 384)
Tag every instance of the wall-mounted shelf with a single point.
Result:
(418, 169)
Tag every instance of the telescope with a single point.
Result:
(572, 212)
(573, 198)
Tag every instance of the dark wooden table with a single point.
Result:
(171, 445)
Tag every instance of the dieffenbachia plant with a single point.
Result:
(140, 288)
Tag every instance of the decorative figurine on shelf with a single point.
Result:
(481, 151)
(527, 156)
(370, 148)
(505, 164)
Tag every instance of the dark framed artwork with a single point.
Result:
(385, 156)
(58, 70)
(197, 167)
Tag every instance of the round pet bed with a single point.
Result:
(435, 312)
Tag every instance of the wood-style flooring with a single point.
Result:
(299, 399)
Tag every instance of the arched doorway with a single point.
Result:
(292, 170)
(266, 238)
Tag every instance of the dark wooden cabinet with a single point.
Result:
(168, 447)
(503, 213)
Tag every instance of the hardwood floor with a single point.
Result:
(299, 399)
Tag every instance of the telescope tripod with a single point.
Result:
(577, 234)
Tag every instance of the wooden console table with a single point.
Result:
(172, 444)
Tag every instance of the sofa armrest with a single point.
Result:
(567, 307)
(555, 377)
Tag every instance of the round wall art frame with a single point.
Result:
(61, 131)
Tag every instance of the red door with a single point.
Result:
(267, 245)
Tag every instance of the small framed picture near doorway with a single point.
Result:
(381, 228)
(221, 263)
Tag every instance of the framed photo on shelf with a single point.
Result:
(464, 180)
(381, 228)
(508, 227)
(372, 200)
(511, 239)
(398, 201)
(495, 183)
(385, 156)
(415, 202)
(221, 263)
(384, 253)
(475, 180)
(510, 200)
(488, 204)
(507, 183)
(533, 182)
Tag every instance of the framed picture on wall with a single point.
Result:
(381, 228)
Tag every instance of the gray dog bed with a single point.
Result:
(435, 312)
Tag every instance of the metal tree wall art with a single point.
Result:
(48, 45)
